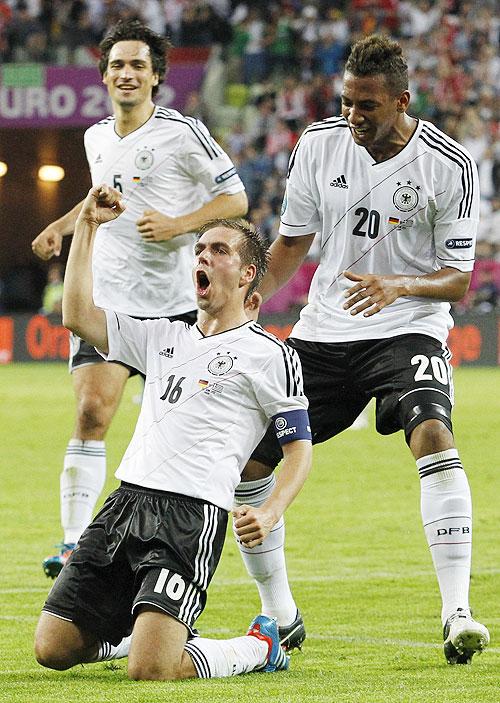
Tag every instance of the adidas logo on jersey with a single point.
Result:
(339, 182)
(98, 160)
(169, 351)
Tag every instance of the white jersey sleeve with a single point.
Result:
(299, 213)
(127, 340)
(457, 220)
(206, 162)
(279, 387)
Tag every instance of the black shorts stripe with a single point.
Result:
(190, 607)
(201, 572)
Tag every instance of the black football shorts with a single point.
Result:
(340, 378)
(143, 547)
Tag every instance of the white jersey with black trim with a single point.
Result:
(170, 164)
(207, 402)
(413, 214)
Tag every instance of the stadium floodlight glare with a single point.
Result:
(51, 173)
(3, 169)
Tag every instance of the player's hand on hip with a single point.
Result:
(153, 226)
(252, 525)
(47, 244)
(370, 293)
(102, 204)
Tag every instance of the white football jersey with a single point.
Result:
(412, 214)
(170, 164)
(207, 402)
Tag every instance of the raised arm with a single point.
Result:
(253, 524)
(80, 315)
(49, 241)
(156, 227)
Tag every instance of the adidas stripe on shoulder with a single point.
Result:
(439, 142)
(331, 123)
(197, 128)
(294, 382)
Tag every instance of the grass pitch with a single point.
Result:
(357, 559)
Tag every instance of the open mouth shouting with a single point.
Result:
(202, 283)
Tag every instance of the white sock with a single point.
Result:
(266, 563)
(215, 659)
(82, 481)
(447, 516)
(109, 651)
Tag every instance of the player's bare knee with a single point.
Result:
(426, 419)
(49, 655)
(430, 436)
(92, 417)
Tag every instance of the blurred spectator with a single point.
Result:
(200, 25)
(261, 120)
(291, 103)
(5, 18)
(485, 295)
(195, 106)
(282, 40)
(255, 57)
(237, 140)
(329, 55)
(321, 101)
(307, 26)
(25, 35)
(418, 17)
(53, 291)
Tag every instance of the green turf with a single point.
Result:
(357, 558)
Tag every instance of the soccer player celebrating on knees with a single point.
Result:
(144, 563)
(395, 202)
(174, 177)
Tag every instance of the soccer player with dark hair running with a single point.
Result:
(395, 202)
(174, 177)
(144, 563)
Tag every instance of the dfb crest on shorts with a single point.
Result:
(405, 197)
(221, 364)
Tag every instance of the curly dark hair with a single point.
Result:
(379, 55)
(252, 247)
(135, 30)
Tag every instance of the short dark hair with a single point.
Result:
(252, 248)
(379, 55)
(135, 30)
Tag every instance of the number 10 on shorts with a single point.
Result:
(173, 584)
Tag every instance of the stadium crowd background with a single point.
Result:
(278, 66)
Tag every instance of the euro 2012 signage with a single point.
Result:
(34, 95)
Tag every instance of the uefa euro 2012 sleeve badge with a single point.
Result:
(405, 197)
